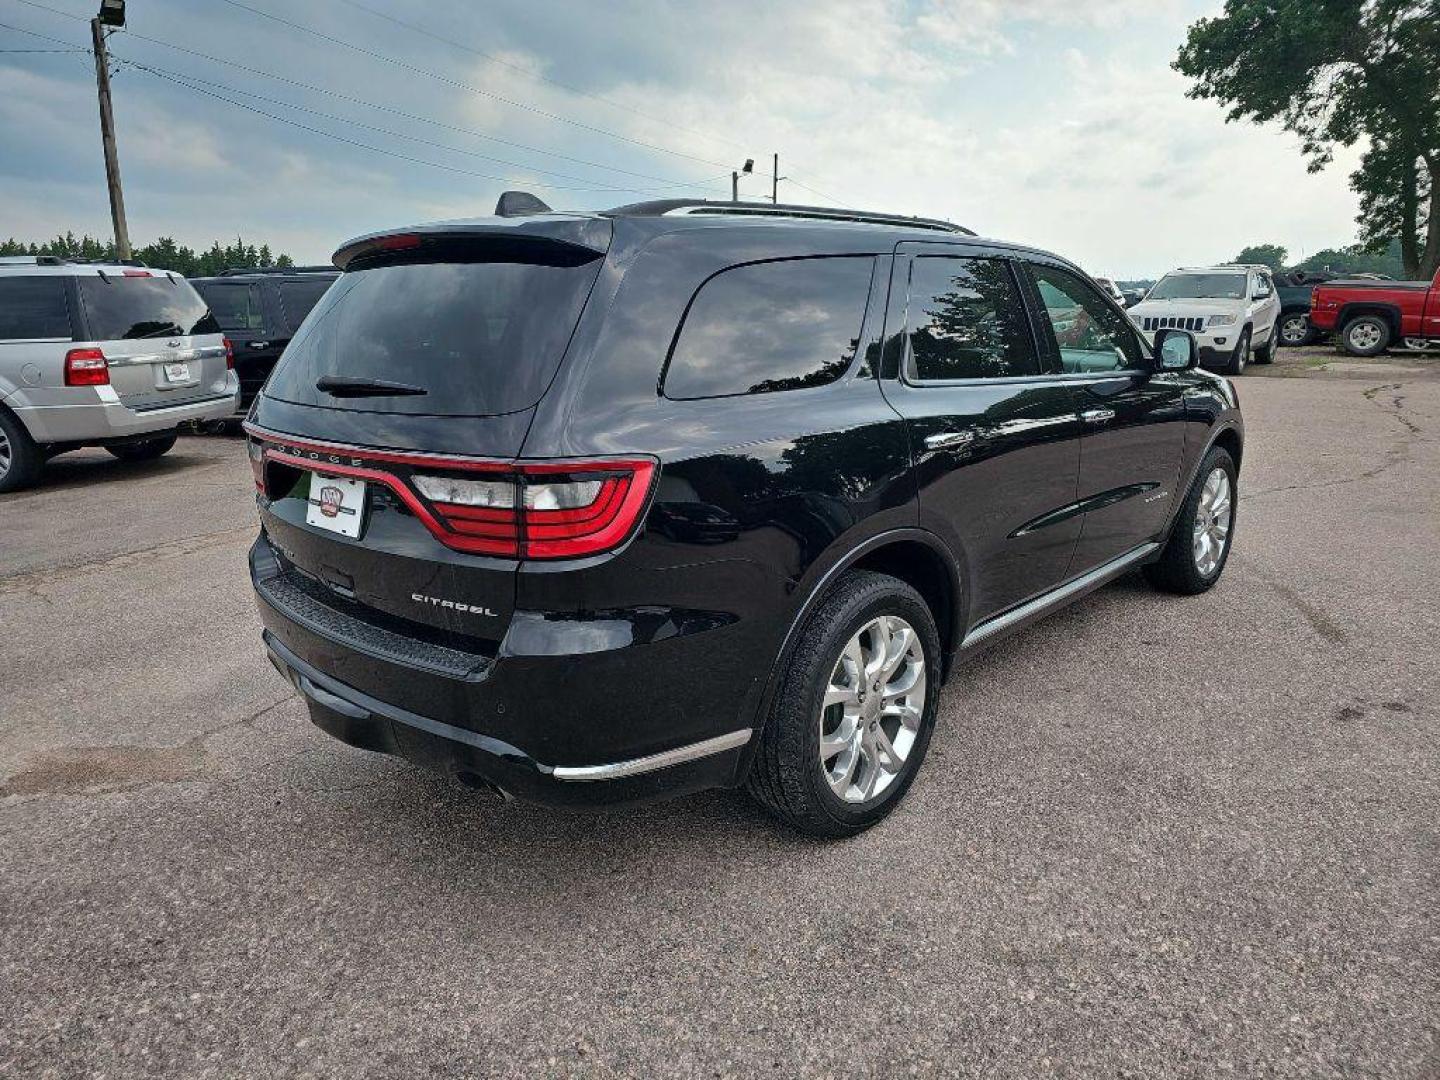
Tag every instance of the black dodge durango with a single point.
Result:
(591, 508)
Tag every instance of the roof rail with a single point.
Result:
(232, 271)
(32, 260)
(663, 207)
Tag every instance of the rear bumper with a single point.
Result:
(577, 729)
(103, 416)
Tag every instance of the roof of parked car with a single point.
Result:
(50, 265)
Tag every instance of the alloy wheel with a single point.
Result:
(1294, 329)
(870, 716)
(1212, 521)
(6, 454)
(1363, 336)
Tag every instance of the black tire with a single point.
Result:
(148, 450)
(788, 776)
(1295, 330)
(1176, 570)
(21, 460)
(1373, 332)
(1239, 356)
(1265, 354)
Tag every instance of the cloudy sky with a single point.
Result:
(1054, 122)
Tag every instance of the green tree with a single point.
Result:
(1334, 72)
(1271, 255)
(162, 254)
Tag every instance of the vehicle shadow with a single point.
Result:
(83, 468)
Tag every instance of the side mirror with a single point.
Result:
(1262, 294)
(1176, 350)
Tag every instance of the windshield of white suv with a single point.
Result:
(1227, 286)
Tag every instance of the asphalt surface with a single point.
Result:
(1154, 836)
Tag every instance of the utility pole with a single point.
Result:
(107, 136)
(747, 169)
(775, 178)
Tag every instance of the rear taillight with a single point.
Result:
(542, 511)
(256, 451)
(86, 367)
(229, 354)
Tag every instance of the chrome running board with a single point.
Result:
(1063, 594)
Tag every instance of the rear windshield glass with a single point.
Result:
(298, 297)
(1199, 287)
(463, 338)
(139, 307)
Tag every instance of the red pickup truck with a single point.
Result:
(1370, 316)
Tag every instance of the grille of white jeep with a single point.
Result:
(1173, 322)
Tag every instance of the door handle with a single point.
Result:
(946, 439)
(259, 344)
(1097, 416)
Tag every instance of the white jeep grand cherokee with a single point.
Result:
(1231, 310)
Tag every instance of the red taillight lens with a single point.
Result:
(229, 355)
(582, 508)
(86, 367)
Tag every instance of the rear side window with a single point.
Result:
(236, 306)
(298, 298)
(119, 307)
(966, 321)
(771, 326)
(464, 338)
(33, 307)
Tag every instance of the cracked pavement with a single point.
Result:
(1154, 836)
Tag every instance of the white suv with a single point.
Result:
(1232, 311)
(98, 355)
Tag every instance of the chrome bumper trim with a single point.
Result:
(635, 766)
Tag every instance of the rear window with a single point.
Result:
(33, 307)
(235, 305)
(771, 326)
(119, 307)
(299, 297)
(468, 338)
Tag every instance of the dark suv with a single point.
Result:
(259, 311)
(590, 508)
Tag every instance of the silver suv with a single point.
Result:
(101, 355)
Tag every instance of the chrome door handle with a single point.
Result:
(1097, 416)
(947, 439)
(259, 344)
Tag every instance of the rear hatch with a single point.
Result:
(161, 344)
(385, 440)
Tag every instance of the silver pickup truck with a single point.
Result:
(96, 355)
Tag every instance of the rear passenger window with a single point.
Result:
(966, 321)
(236, 306)
(771, 326)
(33, 307)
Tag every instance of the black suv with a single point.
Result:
(590, 508)
(259, 311)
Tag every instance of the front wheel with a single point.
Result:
(854, 709)
(148, 450)
(1240, 357)
(20, 459)
(1199, 544)
(1367, 335)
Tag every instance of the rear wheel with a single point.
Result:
(148, 450)
(1199, 544)
(1235, 365)
(854, 710)
(1366, 335)
(1295, 329)
(20, 459)
(1265, 354)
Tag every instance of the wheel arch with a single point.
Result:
(1353, 310)
(916, 556)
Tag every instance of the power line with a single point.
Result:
(375, 149)
(177, 76)
(339, 96)
(537, 75)
(446, 80)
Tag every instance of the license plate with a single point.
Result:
(335, 504)
(177, 373)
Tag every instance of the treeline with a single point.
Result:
(1355, 259)
(163, 254)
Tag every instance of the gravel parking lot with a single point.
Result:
(1154, 836)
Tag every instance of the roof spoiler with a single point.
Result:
(507, 243)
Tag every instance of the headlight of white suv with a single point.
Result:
(1220, 320)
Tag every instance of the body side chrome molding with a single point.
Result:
(1015, 617)
(635, 766)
